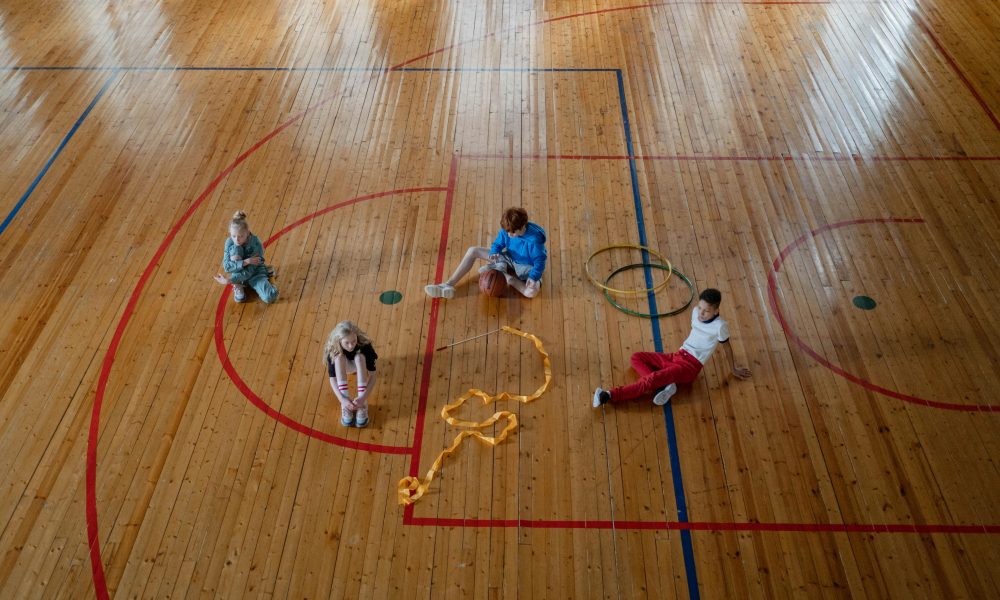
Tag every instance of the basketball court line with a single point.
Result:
(805, 158)
(918, 17)
(91, 453)
(772, 296)
(682, 525)
(58, 151)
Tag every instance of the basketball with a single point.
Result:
(492, 283)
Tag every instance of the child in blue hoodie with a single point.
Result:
(518, 253)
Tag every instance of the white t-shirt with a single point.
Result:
(705, 336)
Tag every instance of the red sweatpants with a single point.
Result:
(657, 370)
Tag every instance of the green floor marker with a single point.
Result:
(390, 297)
(864, 303)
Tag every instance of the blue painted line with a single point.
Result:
(55, 155)
(687, 546)
(326, 69)
(678, 481)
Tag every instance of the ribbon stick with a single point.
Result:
(412, 489)
(475, 337)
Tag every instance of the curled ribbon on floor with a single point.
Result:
(412, 488)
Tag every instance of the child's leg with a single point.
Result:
(518, 280)
(366, 381)
(343, 394)
(340, 367)
(645, 363)
(264, 288)
(366, 378)
(236, 280)
(676, 369)
(473, 253)
(523, 288)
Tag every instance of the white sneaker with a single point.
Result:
(440, 290)
(597, 397)
(361, 418)
(346, 416)
(664, 395)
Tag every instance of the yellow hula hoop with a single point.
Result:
(663, 260)
(411, 489)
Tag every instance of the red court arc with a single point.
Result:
(772, 294)
(253, 397)
(93, 536)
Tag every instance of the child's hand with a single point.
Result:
(741, 372)
(253, 260)
(494, 257)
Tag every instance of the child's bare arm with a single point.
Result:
(739, 372)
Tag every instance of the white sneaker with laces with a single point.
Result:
(664, 395)
(597, 397)
(440, 290)
(346, 416)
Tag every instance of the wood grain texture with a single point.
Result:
(794, 155)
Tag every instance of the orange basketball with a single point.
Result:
(492, 283)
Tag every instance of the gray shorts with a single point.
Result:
(520, 271)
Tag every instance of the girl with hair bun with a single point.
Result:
(243, 262)
(349, 350)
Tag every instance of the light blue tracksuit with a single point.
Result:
(256, 276)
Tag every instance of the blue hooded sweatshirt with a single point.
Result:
(526, 249)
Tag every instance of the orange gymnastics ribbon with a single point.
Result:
(412, 488)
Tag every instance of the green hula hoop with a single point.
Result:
(634, 313)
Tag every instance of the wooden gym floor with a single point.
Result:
(157, 440)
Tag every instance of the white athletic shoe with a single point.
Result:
(664, 395)
(361, 417)
(346, 416)
(440, 290)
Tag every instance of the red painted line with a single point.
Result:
(93, 540)
(97, 568)
(604, 11)
(440, 50)
(620, 9)
(721, 158)
(432, 324)
(772, 293)
(954, 65)
(256, 400)
(708, 526)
